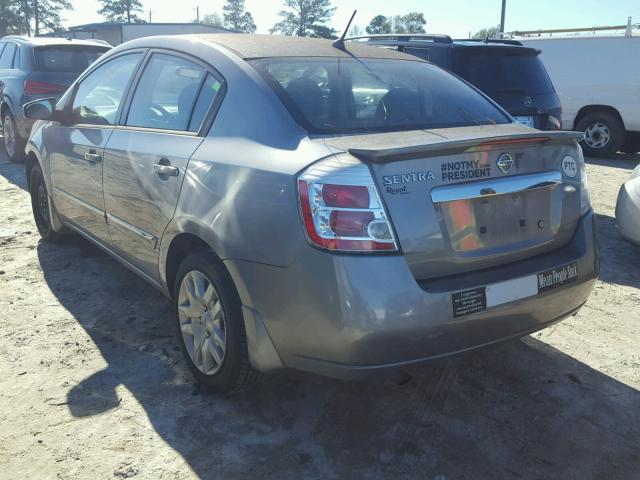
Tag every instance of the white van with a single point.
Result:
(598, 81)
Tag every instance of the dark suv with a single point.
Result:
(33, 68)
(505, 70)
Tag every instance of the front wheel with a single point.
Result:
(41, 208)
(13, 143)
(604, 134)
(210, 324)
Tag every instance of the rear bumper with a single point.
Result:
(349, 316)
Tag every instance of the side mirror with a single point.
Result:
(42, 109)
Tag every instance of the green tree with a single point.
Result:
(214, 19)
(11, 22)
(379, 25)
(355, 31)
(489, 32)
(121, 11)
(236, 18)
(412, 22)
(39, 15)
(305, 18)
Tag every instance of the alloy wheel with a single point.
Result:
(597, 135)
(9, 136)
(202, 322)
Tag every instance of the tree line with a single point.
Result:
(307, 18)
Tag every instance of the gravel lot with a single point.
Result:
(92, 386)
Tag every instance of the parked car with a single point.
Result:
(628, 208)
(509, 73)
(597, 79)
(341, 211)
(37, 67)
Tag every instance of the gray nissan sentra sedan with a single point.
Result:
(341, 211)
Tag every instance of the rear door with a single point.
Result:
(146, 158)
(7, 72)
(76, 148)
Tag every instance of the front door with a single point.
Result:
(146, 157)
(76, 148)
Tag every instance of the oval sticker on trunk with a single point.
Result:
(569, 166)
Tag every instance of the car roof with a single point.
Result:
(251, 46)
(46, 41)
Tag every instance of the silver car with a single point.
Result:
(338, 210)
(628, 208)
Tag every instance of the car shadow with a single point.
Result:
(626, 161)
(13, 172)
(619, 259)
(519, 410)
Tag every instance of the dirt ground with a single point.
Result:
(92, 385)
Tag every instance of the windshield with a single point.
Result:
(337, 95)
(70, 59)
(503, 70)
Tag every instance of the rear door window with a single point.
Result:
(207, 95)
(166, 94)
(68, 59)
(6, 59)
(503, 70)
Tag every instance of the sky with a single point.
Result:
(457, 18)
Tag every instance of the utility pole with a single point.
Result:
(149, 16)
(504, 7)
(198, 14)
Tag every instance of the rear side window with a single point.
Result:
(99, 95)
(503, 70)
(165, 97)
(69, 59)
(207, 95)
(6, 59)
(338, 95)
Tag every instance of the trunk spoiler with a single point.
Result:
(453, 147)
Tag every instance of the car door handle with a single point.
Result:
(92, 157)
(165, 170)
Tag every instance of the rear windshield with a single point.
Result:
(71, 59)
(503, 70)
(337, 95)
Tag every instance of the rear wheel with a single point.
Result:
(13, 143)
(210, 324)
(604, 134)
(41, 208)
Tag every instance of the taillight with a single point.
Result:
(31, 87)
(341, 208)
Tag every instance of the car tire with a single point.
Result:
(210, 324)
(40, 206)
(604, 134)
(13, 143)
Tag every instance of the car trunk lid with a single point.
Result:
(470, 198)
